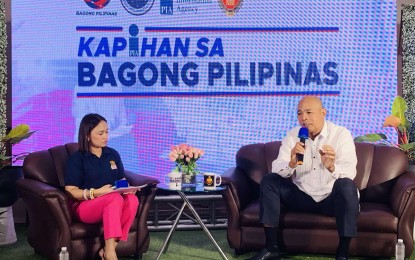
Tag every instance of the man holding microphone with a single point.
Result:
(313, 173)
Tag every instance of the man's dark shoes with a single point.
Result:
(266, 255)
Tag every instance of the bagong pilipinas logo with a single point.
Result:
(230, 6)
(137, 7)
(97, 4)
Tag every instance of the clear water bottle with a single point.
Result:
(400, 250)
(64, 254)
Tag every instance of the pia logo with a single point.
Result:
(97, 4)
(137, 7)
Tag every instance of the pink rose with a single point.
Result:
(183, 146)
(173, 155)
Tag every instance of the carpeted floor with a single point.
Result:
(185, 245)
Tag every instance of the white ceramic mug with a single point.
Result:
(211, 180)
(174, 179)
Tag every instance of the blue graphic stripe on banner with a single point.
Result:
(100, 28)
(241, 29)
(205, 94)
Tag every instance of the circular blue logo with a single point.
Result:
(137, 7)
(97, 4)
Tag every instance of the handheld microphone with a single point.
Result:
(303, 135)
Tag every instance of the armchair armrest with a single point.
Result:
(138, 179)
(401, 193)
(49, 214)
(239, 190)
(402, 200)
(236, 197)
(57, 200)
(145, 196)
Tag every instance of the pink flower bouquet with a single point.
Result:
(185, 157)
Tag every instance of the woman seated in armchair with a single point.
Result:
(90, 173)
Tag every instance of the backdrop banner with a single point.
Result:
(215, 74)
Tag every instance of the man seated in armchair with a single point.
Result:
(321, 183)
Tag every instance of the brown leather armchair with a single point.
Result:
(51, 225)
(387, 204)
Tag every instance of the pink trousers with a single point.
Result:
(115, 211)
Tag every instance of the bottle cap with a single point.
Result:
(64, 248)
(400, 240)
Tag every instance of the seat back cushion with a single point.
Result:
(48, 166)
(251, 160)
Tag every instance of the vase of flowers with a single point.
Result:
(185, 157)
(398, 121)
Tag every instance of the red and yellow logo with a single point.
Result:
(209, 181)
(97, 4)
(230, 6)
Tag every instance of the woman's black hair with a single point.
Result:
(89, 122)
